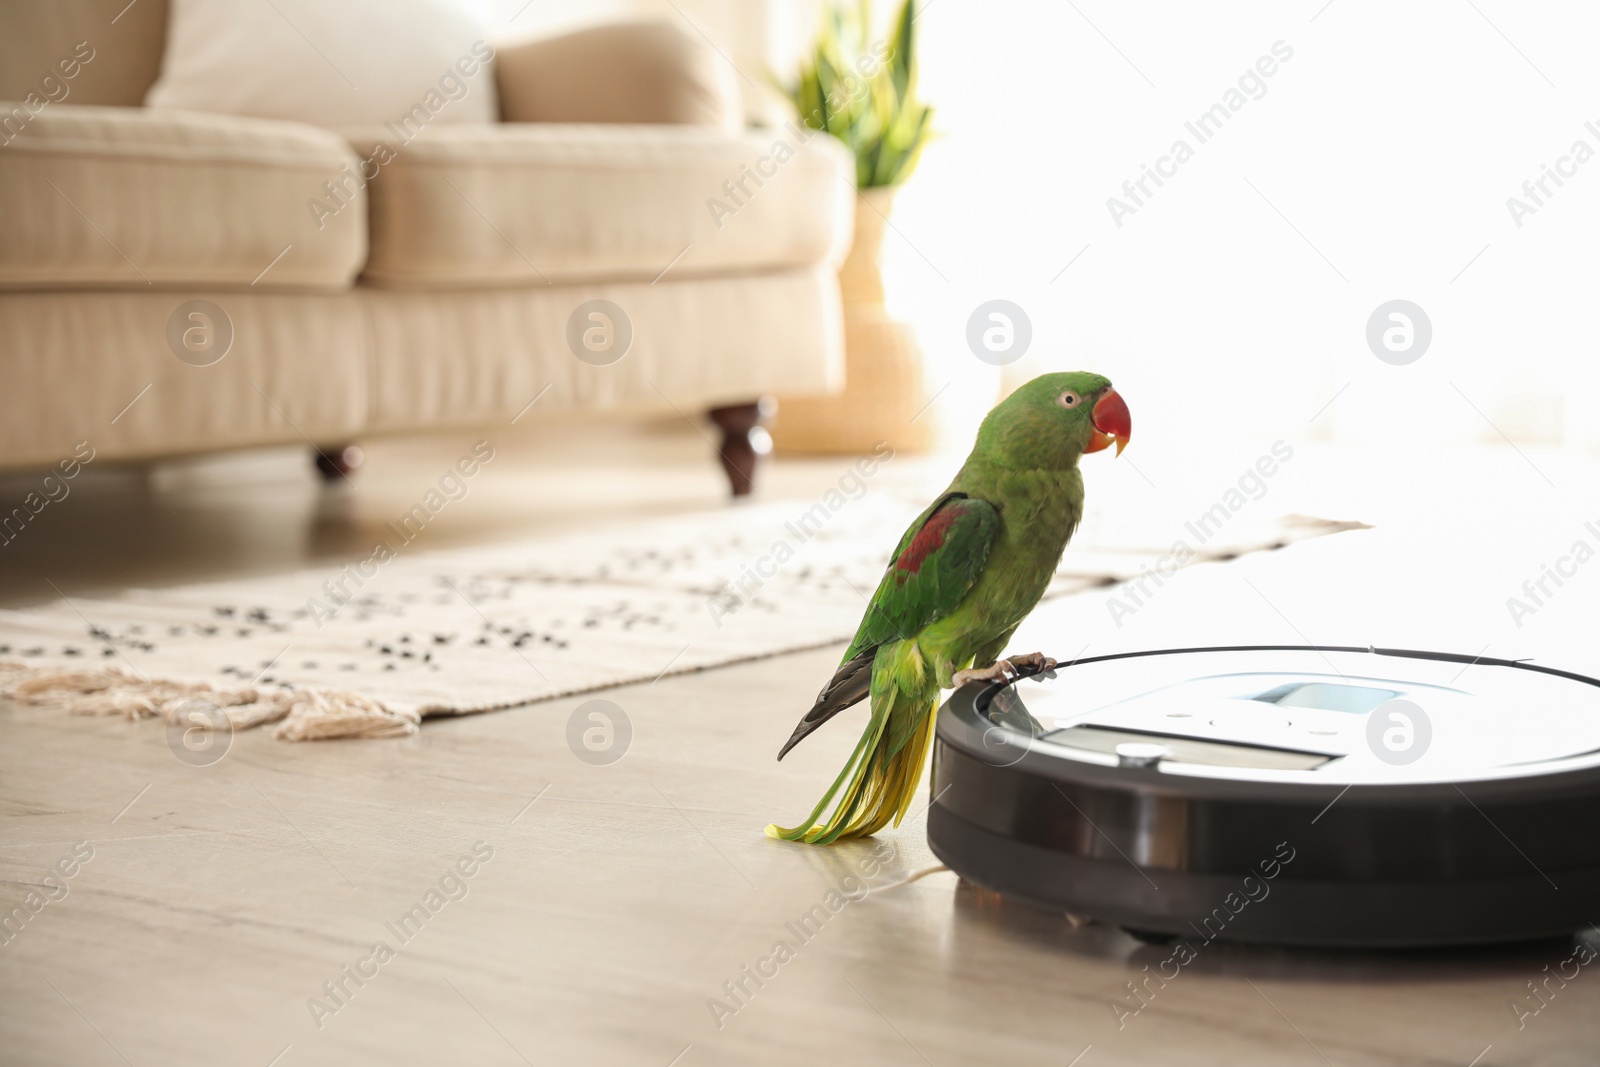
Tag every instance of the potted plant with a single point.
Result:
(864, 92)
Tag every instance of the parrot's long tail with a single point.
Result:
(881, 775)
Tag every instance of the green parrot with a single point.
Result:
(965, 574)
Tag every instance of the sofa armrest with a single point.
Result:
(627, 72)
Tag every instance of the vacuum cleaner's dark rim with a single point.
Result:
(965, 728)
(1332, 910)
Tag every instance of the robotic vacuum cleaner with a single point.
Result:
(1302, 795)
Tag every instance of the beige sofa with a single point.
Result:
(445, 291)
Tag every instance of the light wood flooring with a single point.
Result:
(607, 906)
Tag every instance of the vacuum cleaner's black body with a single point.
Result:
(1245, 794)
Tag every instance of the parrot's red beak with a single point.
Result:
(1111, 422)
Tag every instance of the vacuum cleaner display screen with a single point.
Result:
(1358, 717)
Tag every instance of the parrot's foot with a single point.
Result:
(1000, 670)
(1005, 670)
(1038, 661)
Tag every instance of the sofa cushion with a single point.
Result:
(328, 63)
(633, 72)
(82, 51)
(521, 204)
(105, 196)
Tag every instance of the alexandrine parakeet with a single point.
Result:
(963, 577)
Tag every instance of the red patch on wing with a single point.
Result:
(928, 540)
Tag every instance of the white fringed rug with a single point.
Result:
(372, 648)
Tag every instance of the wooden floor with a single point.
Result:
(228, 914)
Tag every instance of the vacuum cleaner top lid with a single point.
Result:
(1310, 715)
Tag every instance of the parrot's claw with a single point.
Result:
(1041, 665)
(1010, 669)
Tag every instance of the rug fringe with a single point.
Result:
(321, 714)
(302, 714)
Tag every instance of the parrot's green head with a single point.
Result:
(1054, 419)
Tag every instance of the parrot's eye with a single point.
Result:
(1068, 399)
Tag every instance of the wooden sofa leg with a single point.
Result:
(744, 440)
(335, 462)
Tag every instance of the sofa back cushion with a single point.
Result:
(123, 41)
(651, 72)
(344, 63)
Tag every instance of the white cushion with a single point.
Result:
(328, 62)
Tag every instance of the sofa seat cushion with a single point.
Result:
(535, 203)
(94, 197)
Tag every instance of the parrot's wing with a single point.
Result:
(934, 565)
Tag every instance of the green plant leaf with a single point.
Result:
(876, 115)
(902, 66)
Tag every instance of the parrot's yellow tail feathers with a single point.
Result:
(878, 781)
